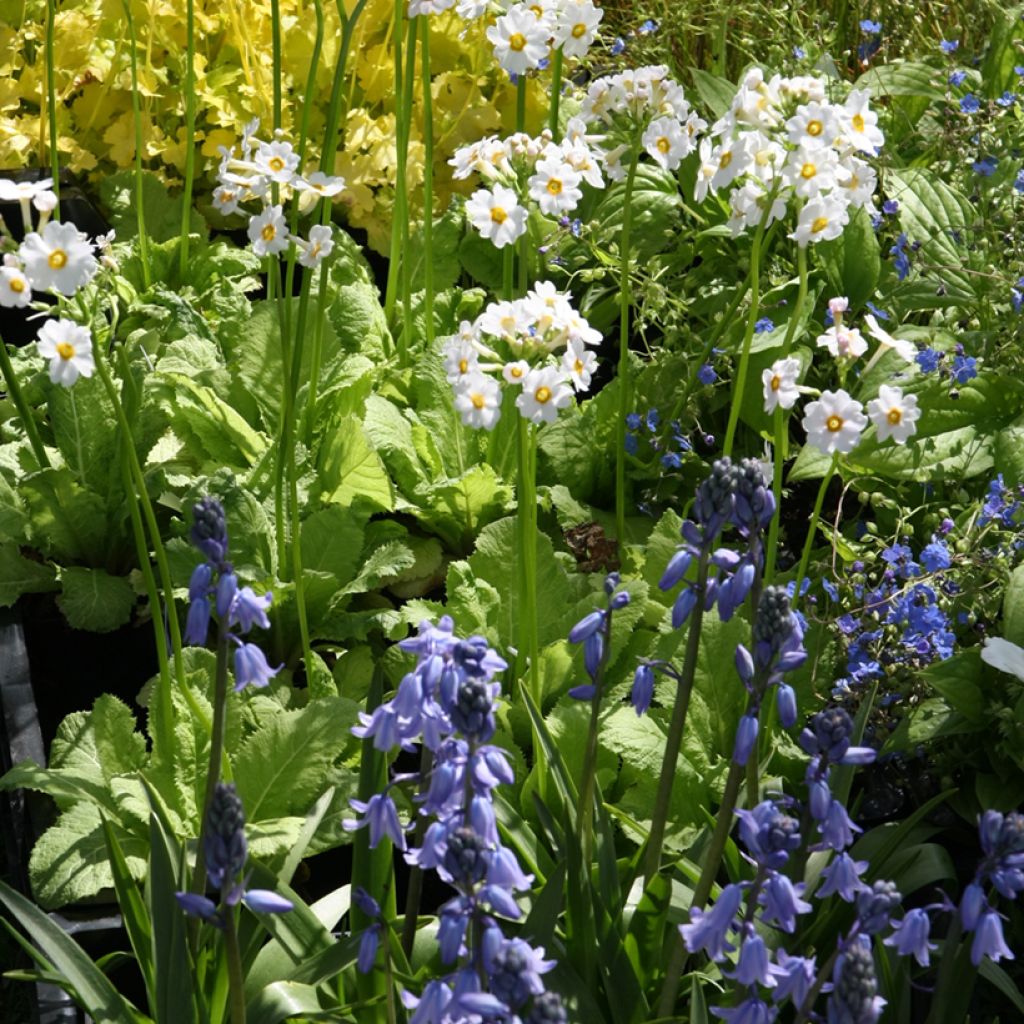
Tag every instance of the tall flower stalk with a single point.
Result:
(428, 182)
(140, 212)
(51, 101)
(190, 135)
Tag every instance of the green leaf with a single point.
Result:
(350, 470)
(715, 92)
(20, 575)
(93, 599)
(82, 420)
(655, 207)
(332, 541)
(995, 975)
(958, 679)
(284, 1000)
(1013, 607)
(853, 261)
(66, 521)
(162, 213)
(355, 312)
(93, 990)
(903, 78)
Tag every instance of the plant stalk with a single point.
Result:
(428, 182)
(811, 530)
(190, 136)
(13, 389)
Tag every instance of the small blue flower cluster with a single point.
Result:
(872, 30)
(1000, 504)
(225, 852)
(673, 447)
(447, 703)
(900, 259)
(235, 606)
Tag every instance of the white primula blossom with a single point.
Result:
(496, 214)
(820, 220)
(318, 248)
(321, 184)
(576, 27)
(14, 287)
(555, 187)
(472, 9)
(478, 401)
(811, 170)
(68, 346)
(579, 363)
(837, 306)
(460, 360)
(276, 161)
(834, 422)
(520, 40)
(268, 232)
(226, 197)
(843, 342)
(668, 142)
(515, 373)
(860, 127)
(58, 257)
(906, 350)
(582, 159)
(813, 124)
(780, 384)
(894, 414)
(747, 204)
(545, 391)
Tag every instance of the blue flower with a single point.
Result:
(643, 688)
(890, 207)
(766, 323)
(876, 905)
(988, 940)
(881, 313)
(965, 368)
(842, 878)
(901, 261)
(956, 78)
(986, 166)
(910, 936)
(854, 998)
(251, 666)
(949, 45)
(799, 53)
(706, 374)
(618, 46)
(1018, 185)
(970, 104)
(870, 28)
(935, 556)
(707, 929)
(1007, 99)
(381, 815)
(648, 27)
(928, 360)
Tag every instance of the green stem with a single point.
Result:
(140, 213)
(739, 384)
(236, 976)
(521, 104)
(51, 102)
(415, 891)
(406, 261)
(556, 92)
(190, 136)
(508, 259)
(275, 47)
(391, 290)
(527, 522)
(428, 182)
(624, 380)
(656, 839)
(17, 396)
(812, 529)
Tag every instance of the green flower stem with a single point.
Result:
(405, 263)
(779, 425)
(508, 259)
(140, 213)
(527, 522)
(415, 891)
(236, 976)
(190, 135)
(811, 529)
(623, 375)
(51, 102)
(13, 389)
(951, 973)
(391, 290)
(275, 48)
(656, 838)
(521, 104)
(428, 182)
(740, 381)
(556, 91)
(586, 811)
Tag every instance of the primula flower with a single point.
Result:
(318, 248)
(835, 422)
(268, 231)
(545, 391)
(58, 257)
(478, 401)
(277, 161)
(68, 346)
(554, 186)
(780, 387)
(496, 214)
(843, 342)
(821, 219)
(579, 363)
(576, 27)
(15, 289)
(520, 40)
(667, 142)
(894, 414)
(903, 348)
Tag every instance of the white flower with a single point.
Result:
(859, 181)
(860, 125)
(14, 287)
(821, 219)
(834, 422)
(667, 142)
(732, 161)
(837, 306)
(59, 257)
(580, 363)
(843, 342)
(68, 346)
(576, 27)
(225, 199)
(18, 191)
(429, 6)
(45, 201)
(320, 184)
(894, 414)
(906, 350)
(810, 170)
(555, 187)
(319, 246)
(747, 207)
(779, 380)
(814, 124)
(472, 9)
(496, 214)
(583, 160)
(277, 161)
(1003, 655)
(478, 401)
(268, 232)
(460, 360)
(508, 320)
(520, 40)
(545, 391)
(515, 373)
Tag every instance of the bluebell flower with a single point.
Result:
(988, 940)
(514, 970)
(746, 737)
(1018, 70)
(928, 360)
(251, 666)
(970, 104)
(763, 325)
(910, 936)
(197, 624)
(781, 902)
(949, 45)
(547, 1009)
(769, 834)
(750, 1011)
(643, 688)
(956, 78)
(794, 976)
(209, 530)
(842, 878)
(875, 906)
(708, 929)
(381, 815)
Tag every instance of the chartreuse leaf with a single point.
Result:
(853, 261)
(93, 990)
(350, 470)
(1013, 607)
(93, 599)
(162, 212)
(284, 1000)
(20, 575)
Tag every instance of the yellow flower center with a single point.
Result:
(57, 259)
(463, 365)
(762, 103)
(578, 365)
(858, 122)
(725, 160)
(268, 233)
(537, 10)
(498, 215)
(276, 164)
(663, 144)
(834, 423)
(819, 224)
(894, 416)
(477, 400)
(542, 394)
(517, 41)
(808, 171)
(579, 29)
(65, 349)
(854, 182)
(815, 128)
(515, 371)
(554, 186)
(776, 382)
(17, 285)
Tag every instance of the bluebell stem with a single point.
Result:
(447, 704)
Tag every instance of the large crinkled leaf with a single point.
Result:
(284, 766)
(82, 419)
(93, 599)
(19, 575)
(355, 312)
(162, 212)
(903, 78)
(13, 514)
(457, 508)
(332, 541)
(391, 434)
(350, 471)
(655, 209)
(69, 862)
(66, 521)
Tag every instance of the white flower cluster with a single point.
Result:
(522, 167)
(781, 142)
(524, 36)
(538, 344)
(643, 100)
(834, 422)
(253, 174)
